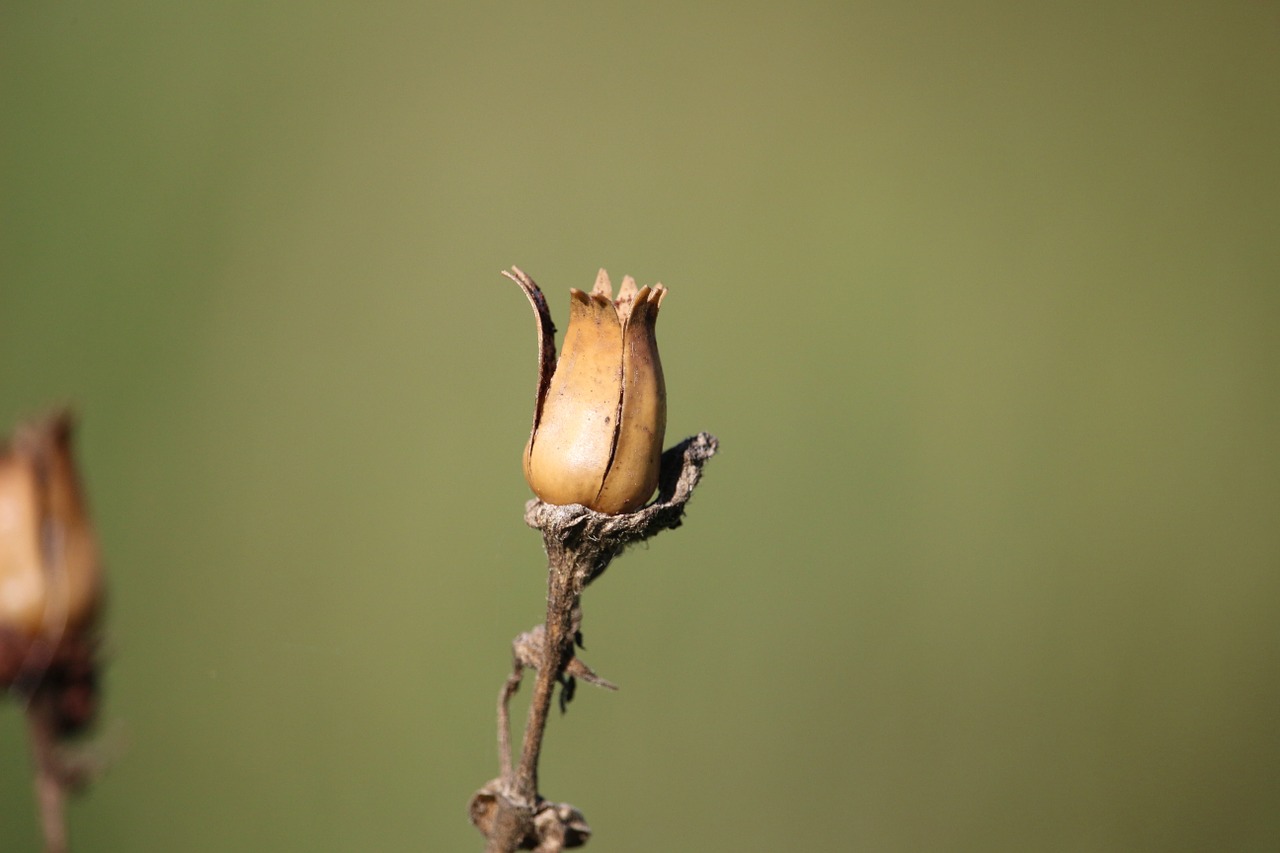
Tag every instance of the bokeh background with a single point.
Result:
(982, 300)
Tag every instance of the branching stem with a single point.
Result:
(557, 648)
(580, 544)
(50, 779)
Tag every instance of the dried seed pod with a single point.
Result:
(602, 408)
(50, 578)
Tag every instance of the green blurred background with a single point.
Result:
(982, 300)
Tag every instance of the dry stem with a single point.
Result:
(580, 544)
(58, 688)
(50, 780)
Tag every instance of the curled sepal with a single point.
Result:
(546, 337)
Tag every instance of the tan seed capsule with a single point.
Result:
(50, 579)
(601, 409)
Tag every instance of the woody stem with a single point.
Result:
(580, 544)
(51, 793)
(557, 650)
(513, 819)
